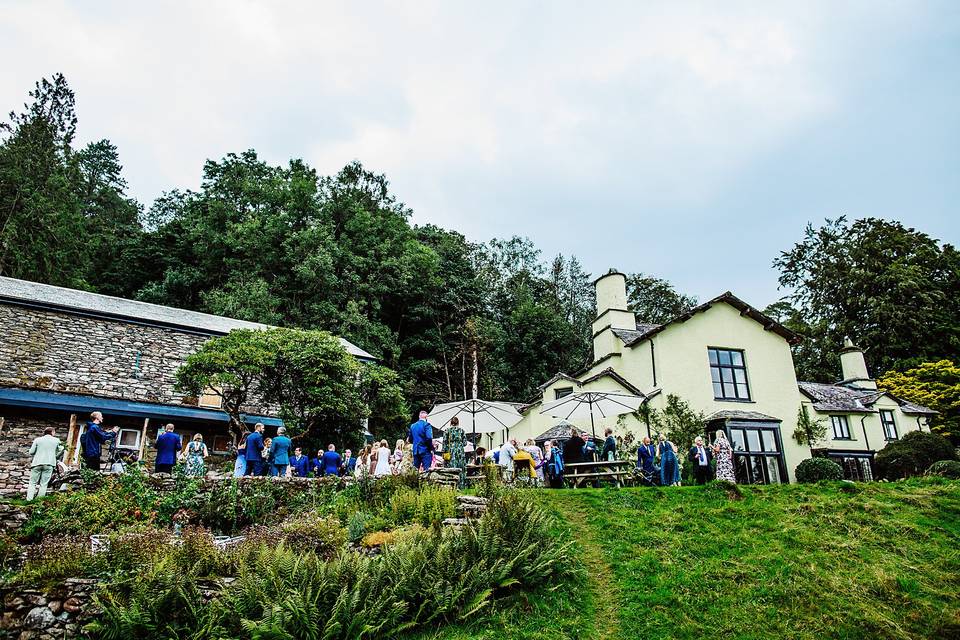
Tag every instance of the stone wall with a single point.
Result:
(75, 354)
(16, 436)
(59, 612)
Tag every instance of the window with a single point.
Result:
(841, 428)
(128, 439)
(221, 444)
(562, 392)
(729, 374)
(757, 458)
(889, 424)
(856, 467)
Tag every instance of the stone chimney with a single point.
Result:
(854, 366)
(612, 313)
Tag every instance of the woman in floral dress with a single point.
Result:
(724, 456)
(454, 442)
(196, 452)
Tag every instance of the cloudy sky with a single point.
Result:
(689, 140)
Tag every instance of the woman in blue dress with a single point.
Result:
(669, 468)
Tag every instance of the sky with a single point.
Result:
(689, 140)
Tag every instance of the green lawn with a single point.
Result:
(877, 560)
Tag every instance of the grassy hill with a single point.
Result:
(876, 560)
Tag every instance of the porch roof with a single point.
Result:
(76, 403)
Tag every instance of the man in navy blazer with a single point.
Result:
(421, 437)
(168, 445)
(299, 464)
(700, 457)
(93, 439)
(255, 451)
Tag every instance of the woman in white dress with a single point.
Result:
(383, 460)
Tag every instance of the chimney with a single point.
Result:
(612, 313)
(854, 366)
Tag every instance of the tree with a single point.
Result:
(894, 290)
(935, 385)
(809, 430)
(678, 421)
(322, 392)
(655, 300)
(41, 222)
(230, 366)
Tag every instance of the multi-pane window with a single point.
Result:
(841, 428)
(729, 374)
(562, 392)
(889, 424)
(757, 456)
(855, 467)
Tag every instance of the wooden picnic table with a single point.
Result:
(576, 474)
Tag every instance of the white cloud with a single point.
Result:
(493, 118)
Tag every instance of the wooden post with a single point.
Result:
(143, 439)
(71, 431)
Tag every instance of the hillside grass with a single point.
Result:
(834, 560)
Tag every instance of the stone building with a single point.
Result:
(65, 353)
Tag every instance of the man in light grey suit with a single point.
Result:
(46, 450)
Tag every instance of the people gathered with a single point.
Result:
(256, 454)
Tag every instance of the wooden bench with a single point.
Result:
(577, 474)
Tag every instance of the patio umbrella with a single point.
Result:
(485, 416)
(580, 404)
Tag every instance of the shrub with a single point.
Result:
(357, 525)
(945, 468)
(378, 539)
(427, 507)
(323, 536)
(816, 469)
(912, 455)
(57, 558)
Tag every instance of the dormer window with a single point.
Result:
(728, 371)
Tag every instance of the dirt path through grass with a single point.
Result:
(603, 585)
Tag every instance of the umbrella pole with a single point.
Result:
(474, 441)
(592, 428)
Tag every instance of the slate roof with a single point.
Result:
(736, 414)
(645, 330)
(74, 301)
(850, 399)
(561, 431)
(831, 397)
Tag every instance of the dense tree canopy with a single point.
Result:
(894, 290)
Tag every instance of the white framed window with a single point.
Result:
(562, 392)
(841, 428)
(128, 439)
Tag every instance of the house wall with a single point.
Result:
(875, 438)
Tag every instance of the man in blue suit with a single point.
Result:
(421, 437)
(255, 451)
(93, 439)
(168, 445)
(330, 462)
(300, 464)
(280, 452)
